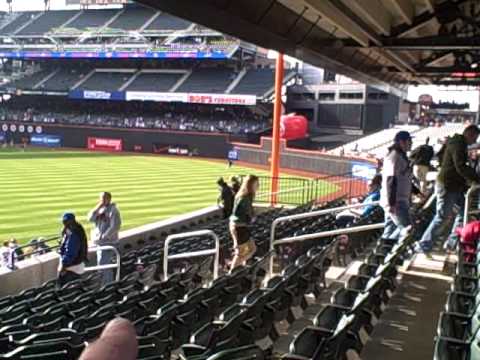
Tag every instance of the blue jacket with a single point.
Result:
(372, 197)
(74, 247)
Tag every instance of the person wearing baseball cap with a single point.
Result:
(454, 178)
(397, 186)
(73, 250)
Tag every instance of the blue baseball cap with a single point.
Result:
(68, 216)
(402, 136)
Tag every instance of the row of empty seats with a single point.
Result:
(202, 80)
(52, 323)
(458, 336)
(38, 23)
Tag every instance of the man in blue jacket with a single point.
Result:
(73, 250)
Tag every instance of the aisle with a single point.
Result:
(408, 326)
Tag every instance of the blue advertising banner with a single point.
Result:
(97, 95)
(2, 136)
(233, 155)
(46, 140)
(363, 170)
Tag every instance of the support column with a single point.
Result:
(277, 113)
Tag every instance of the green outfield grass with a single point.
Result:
(37, 186)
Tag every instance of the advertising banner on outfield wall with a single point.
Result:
(155, 96)
(46, 140)
(96, 95)
(222, 99)
(363, 170)
(216, 99)
(105, 144)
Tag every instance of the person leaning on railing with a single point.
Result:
(242, 216)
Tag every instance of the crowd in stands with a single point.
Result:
(178, 117)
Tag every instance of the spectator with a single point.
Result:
(397, 186)
(15, 249)
(348, 216)
(235, 185)
(452, 183)
(5, 255)
(107, 220)
(226, 198)
(242, 216)
(421, 158)
(73, 250)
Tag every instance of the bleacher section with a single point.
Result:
(92, 19)
(132, 19)
(47, 21)
(65, 79)
(160, 82)
(167, 21)
(129, 19)
(259, 81)
(29, 82)
(209, 80)
(107, 81)
(214, 80)
(16, 23)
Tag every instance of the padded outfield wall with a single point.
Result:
(304, 160)
(212, 145)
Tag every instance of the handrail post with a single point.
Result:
(215, 251)
(317, 235)
(117, 264)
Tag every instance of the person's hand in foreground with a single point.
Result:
(118, 341)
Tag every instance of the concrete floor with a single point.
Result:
(407, 328)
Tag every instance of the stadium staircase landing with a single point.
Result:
(407, 328)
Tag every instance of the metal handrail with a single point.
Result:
(14, 255)
(107, 266)
(215, 251)
(468, 197)
(311, 214)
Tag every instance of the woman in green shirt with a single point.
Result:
(242, 215)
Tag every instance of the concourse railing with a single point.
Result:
(274, 242)
(188, 255)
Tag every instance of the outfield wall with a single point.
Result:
(212, 145)
(39, 269)
(303, 160)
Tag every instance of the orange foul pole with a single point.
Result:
(277, 113)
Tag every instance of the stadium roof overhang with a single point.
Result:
(388, 43)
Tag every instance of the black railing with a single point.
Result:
(298, 191)
(39, 247)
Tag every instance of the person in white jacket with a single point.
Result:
(107, 220)
(397, 186)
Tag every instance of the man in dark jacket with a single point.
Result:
(73, 250)
(421, 158)
(226, 198)
(453, 180)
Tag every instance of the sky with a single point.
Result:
(456, 94)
